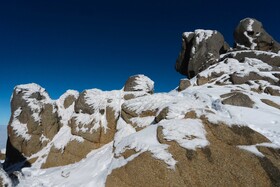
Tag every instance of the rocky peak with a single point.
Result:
(250, 34)
(200, 49)
(203, 48)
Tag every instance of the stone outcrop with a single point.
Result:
(203, 48)
(200, 49)
(34, 121)
(210, 166)
(237, 99)
(250, 34)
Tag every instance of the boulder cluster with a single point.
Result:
(199, 134)
(203, 48)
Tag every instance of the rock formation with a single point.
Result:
(219, 128)
(200, 49)
(250, 34)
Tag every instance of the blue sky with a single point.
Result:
(68, 44)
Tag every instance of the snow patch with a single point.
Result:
(252, 149)
(20, 128)
(189, 133)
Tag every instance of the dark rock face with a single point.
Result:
(250, 34)
(200, 49)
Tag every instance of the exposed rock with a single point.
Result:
(162, 115)
(202, 80)
(270, 58)
(184, 84)
(195, 168)
(82, 106)
(200, 49)
(34, 120)
(237, 99)
(271, 103)
(250, 34)
(94, 120)
(139, 83)
(69, 100)
(73, 152)
(235, 78)
(272, 91)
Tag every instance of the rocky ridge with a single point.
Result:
(220, 127)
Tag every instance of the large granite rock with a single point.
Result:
(250, 34)
(33, 123)
(218, 164)
(200, 49)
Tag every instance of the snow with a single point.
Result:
(144, 83)
(189, 133)
(143, 121)
(6, 180)
(230, 65)
(66, 114)
(146, 140)
(36, 105)
(204, 100)
(203, 35)
(70, 175)
(20, 128)
(252, 149)
(249, 26)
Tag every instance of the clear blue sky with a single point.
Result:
(68, 44)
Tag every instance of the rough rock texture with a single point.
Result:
(250, 34)
(184, 84)
(271, 103)
(139, 83)
(237, 99)
(200, 49)
(270, 58)
(34, 120)
(219, 128)
(221, 163)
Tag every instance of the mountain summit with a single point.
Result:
(219, 127)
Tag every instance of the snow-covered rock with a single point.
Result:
(220, 128)
(250, 34)
(200, 49)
